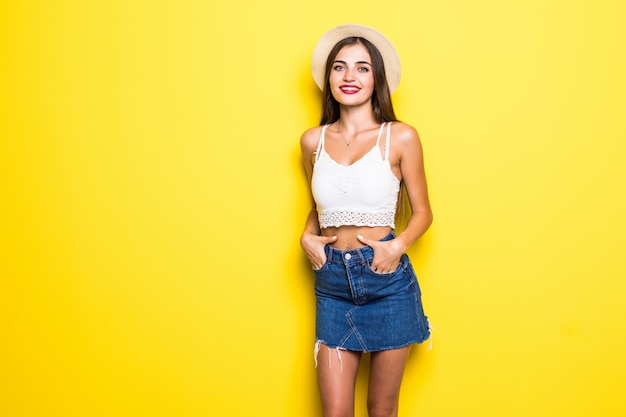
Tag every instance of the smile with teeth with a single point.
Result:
(349, 89)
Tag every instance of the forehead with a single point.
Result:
(353, 53)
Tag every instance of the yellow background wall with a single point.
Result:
(152, 198)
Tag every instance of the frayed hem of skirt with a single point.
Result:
(428, 338)
(338, 349)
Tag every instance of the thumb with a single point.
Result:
(330, 239)
(365, 241)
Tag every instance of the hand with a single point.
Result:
(313, 246)
(387, 254)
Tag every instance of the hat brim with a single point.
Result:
(329, 40)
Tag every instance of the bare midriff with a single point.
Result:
(347, 235)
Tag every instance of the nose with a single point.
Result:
(349, 75)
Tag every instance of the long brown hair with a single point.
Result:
(381, 97)
(381, 102)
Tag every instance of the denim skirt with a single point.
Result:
(362, 310)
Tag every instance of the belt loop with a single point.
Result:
(329, 253)
(362, 256)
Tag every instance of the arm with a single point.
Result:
(407, 163)
(411, 164)
(310, 240)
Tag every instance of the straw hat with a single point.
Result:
(384, 46)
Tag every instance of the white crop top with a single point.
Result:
(364, 193)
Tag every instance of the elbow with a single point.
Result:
(427, 216)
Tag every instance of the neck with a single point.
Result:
(354, 119)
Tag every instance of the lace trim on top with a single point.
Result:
(355, 218)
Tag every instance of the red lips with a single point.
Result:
(349, 89)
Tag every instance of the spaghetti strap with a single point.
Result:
(387, 141)
(380, 133)
(320, 144)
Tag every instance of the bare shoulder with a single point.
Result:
(310, 138)
(405, 140)
(404, 133)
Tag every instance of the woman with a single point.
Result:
(368, 298)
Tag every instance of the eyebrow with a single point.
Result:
(345, 63)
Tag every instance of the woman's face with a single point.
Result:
(351, 76)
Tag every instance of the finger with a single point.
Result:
(369, 242)
(330, 239)
(319, 263)
(363, 240)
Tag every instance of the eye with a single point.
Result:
(363, 69)
(338, 67)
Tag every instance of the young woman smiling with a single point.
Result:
(367, 295)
